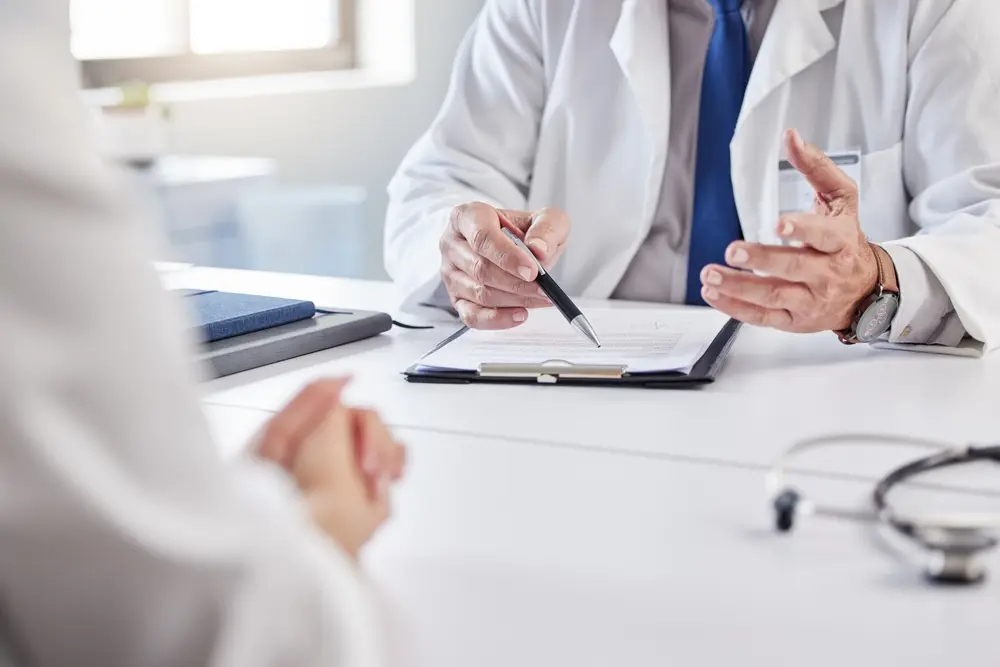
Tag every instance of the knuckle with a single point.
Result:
(822, 161)
(501, 257)
(479, 270)
(773, 295)
(457, 214)
(481, 294)
(480, 240)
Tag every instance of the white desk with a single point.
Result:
(775, 389)
(503, 553)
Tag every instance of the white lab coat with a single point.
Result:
(567, 103)
(124, 540)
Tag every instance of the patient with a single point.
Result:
(126, 540)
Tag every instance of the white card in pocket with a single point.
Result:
(795, 194)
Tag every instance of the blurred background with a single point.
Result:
(262, 133)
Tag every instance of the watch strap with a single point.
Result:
(887, 282)
(886, 270)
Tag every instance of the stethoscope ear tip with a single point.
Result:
(786, 505)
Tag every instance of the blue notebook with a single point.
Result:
(222, 315)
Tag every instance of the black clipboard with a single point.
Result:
(704, 371)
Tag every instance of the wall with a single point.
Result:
(346, 136)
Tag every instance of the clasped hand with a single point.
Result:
(343, 459)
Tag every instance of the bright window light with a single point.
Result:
(120, 29)
(219, 26)
(125, 28)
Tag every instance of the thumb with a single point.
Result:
(827, 179)
(548, 232)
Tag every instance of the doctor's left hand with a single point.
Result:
(808, 289)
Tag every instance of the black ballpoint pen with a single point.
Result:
(545, 282)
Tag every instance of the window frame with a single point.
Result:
(189, 67)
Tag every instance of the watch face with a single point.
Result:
(877, 318)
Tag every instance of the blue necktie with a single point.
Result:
(715, 223)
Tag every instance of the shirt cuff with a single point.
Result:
(926, 315)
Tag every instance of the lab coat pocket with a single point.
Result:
(884, 202)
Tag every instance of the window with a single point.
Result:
(154, 41)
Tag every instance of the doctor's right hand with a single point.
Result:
(490, 281)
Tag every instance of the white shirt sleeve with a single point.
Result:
(125, 539)
(926, 315)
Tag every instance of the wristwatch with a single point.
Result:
(874, 316)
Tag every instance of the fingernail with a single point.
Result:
(786, 228)
(738, 256)
(710, 294)
(524, 272)
(797, 140)
(539, 245)
(383, 487)
(520, 316)
(713, 278)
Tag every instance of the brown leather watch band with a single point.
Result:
(887, 282)
(886, 269)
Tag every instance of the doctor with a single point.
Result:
(637, 144)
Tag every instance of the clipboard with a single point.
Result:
(556, 372)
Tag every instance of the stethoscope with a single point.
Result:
(952, 545)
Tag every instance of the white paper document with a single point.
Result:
(641, 340)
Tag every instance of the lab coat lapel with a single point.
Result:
(796, 38)
(640, 44)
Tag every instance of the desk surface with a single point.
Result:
(775, 389)
(504, 553)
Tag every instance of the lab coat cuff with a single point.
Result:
(923, 303)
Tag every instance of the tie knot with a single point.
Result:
(725, 6)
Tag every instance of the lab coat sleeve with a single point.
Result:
(951, 155)
(125, 540)
(480, 147)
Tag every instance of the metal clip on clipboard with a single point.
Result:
(549, 372)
